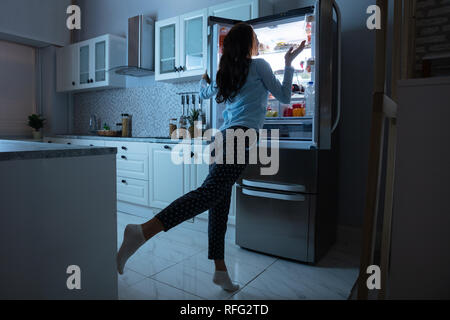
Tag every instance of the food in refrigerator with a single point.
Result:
(310, 65)
(288, 111)
(222, 34)
(284, 46)
(310, 99)
(271, 113)
(298, 110)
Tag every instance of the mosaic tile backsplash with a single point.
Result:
(151, 107)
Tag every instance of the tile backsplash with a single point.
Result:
(151, 107)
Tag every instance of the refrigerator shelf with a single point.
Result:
(296, 97)
(288, 120)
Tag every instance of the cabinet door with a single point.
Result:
(100, 62)
(193, 45)
(167, 49)
(166, 178)
(66, 68)
(236, 10)
(84, 58)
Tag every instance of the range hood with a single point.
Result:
(141, 39)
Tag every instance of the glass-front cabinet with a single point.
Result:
(167, 48)
(87, 64)
(181, 46)
(84, 64)
(194, 42)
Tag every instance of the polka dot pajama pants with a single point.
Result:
(213, 195)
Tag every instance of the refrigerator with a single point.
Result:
(292, 214)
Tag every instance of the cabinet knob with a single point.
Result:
(123, 157)
(91, 145)
(167, 147)
(73, 83)
(192, 154)
(124, 181)
(69, 143)
(124, 148)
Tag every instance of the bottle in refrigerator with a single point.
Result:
(309, 29)
(310, 99)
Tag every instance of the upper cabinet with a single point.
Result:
(241, 9)
(85, 65)
(181, 46)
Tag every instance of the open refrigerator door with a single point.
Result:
(295, 121)
(307, 122)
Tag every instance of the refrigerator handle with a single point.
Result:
(274, 186)
(339, 67)
(276, 196)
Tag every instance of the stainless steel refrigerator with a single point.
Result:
(292, 214)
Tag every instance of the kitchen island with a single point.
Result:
(58, 224)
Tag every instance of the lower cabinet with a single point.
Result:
(132, 190)
(168, 180)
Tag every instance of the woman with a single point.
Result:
(243, 84)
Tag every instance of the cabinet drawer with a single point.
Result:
(132, 165)
(128, 147)
(132, 190)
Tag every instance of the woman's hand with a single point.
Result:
(206, 77)
(292, 53)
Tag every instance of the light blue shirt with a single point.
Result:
(248, 108)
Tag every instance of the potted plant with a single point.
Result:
(192, 118)
(37, 123)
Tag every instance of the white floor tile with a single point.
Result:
(232, 251)
(239, 271)
(150, 289)
(187, 237)
(300, 281)
(148, 264)
(251, 293)
(168, 249)
(128, 278)
(193, 281)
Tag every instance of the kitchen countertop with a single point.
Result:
(21, 150)
(131, 139)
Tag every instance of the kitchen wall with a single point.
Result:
(34, 22)
(17, 88)
(152, 104)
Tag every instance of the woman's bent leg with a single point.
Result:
(220, 179)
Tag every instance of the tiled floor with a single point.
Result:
(174, 265)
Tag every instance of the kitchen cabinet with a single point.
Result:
(241, 9)
(134, 191)
(181, 46)
(168, 181)
(86, 65)
(132, 172)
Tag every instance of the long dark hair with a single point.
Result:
(235, 62)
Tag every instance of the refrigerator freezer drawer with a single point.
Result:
(273, 222)
(296, 168)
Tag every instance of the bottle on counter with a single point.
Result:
(310, 97)
(126, 125)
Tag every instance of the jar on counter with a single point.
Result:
(172, 126)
